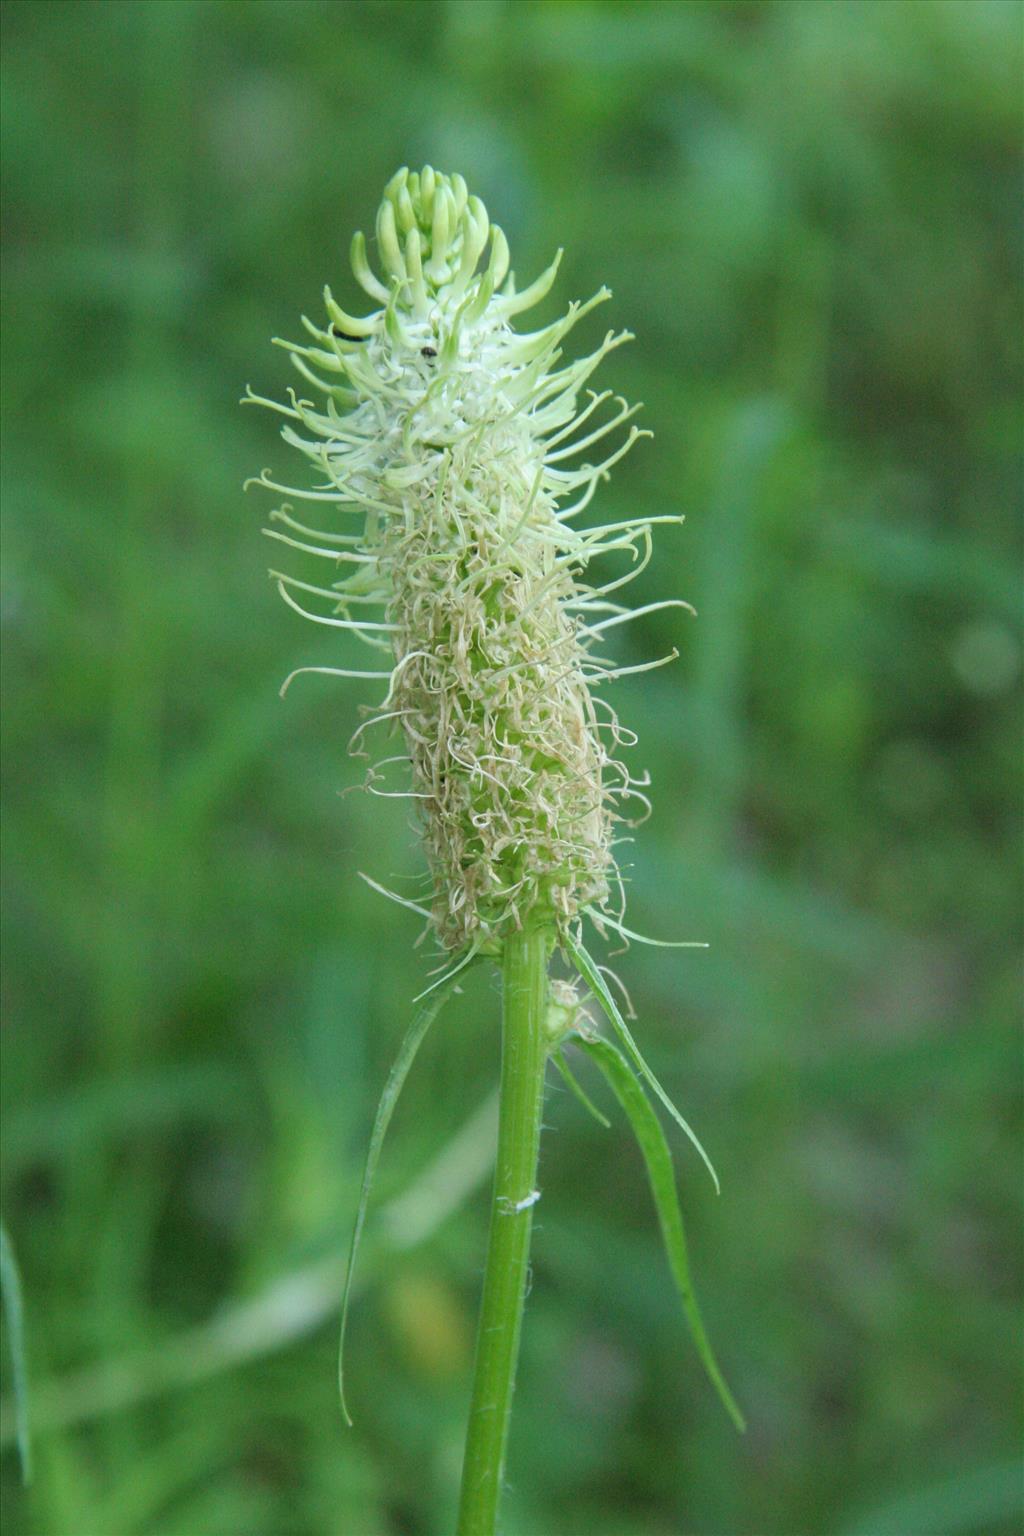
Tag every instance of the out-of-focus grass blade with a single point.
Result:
(14, 1312)
(288, 1309)
(918, 562)
(978, 1499)
(661, 1174)
(596, 982)
(422, 1020)
(85, 1118)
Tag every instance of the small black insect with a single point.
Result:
(428, 352)
(336, 331)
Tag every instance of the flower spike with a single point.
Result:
(445, 431)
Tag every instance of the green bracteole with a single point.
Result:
(658, 1160)
(568, 1022)
(414, 1038)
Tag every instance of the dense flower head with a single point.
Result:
(442, 439)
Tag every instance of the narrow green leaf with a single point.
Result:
(596, 982)
(641, 938)
(577, 1091)
(422, 1020)
(661, 1175)
(10, 1286)
(442, 981)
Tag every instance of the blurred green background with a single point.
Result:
(809, 215)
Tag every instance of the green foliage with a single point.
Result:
(807, 213)
(414, 1036)
(595, 980)
(660, 1175)
(14, 1316)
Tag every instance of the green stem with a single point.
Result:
(523, 1058)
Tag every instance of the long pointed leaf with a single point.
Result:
(422, 1020)
(597, 984)
(661, 1175)
(10, 1285)
(577, 1090)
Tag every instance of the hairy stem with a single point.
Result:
(523, 1058)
